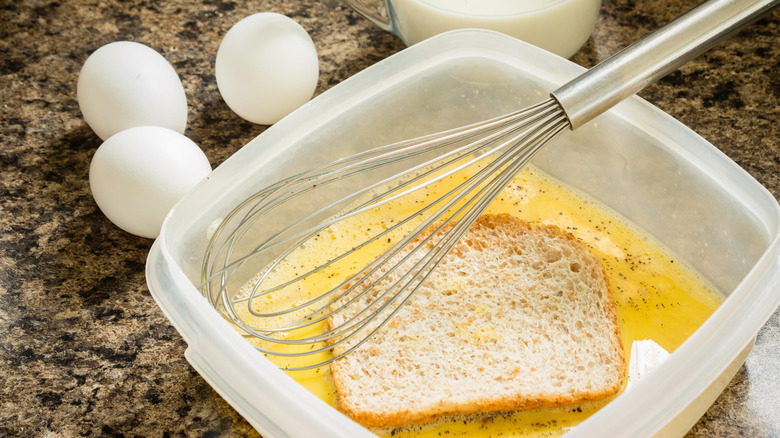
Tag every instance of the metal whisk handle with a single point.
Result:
(655, 56)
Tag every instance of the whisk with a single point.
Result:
(300, 328)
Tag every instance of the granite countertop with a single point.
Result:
(84, 349)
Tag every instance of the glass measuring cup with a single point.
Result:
(559, 26)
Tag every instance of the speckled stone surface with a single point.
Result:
(84, 349)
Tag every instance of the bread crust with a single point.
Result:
(414, 383)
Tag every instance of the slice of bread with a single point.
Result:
(515, 317)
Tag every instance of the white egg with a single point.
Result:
(138, 174)
(266, 67)
(126, 84)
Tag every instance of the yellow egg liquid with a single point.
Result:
(657, 295)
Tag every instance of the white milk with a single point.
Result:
(560, 26)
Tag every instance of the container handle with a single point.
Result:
(378, 11)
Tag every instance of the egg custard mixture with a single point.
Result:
(658, 297)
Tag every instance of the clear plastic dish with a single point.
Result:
(635, 159)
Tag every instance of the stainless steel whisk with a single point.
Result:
(493, 152)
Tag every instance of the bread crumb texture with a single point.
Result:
(516, 316)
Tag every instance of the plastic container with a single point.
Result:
(634, 158)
